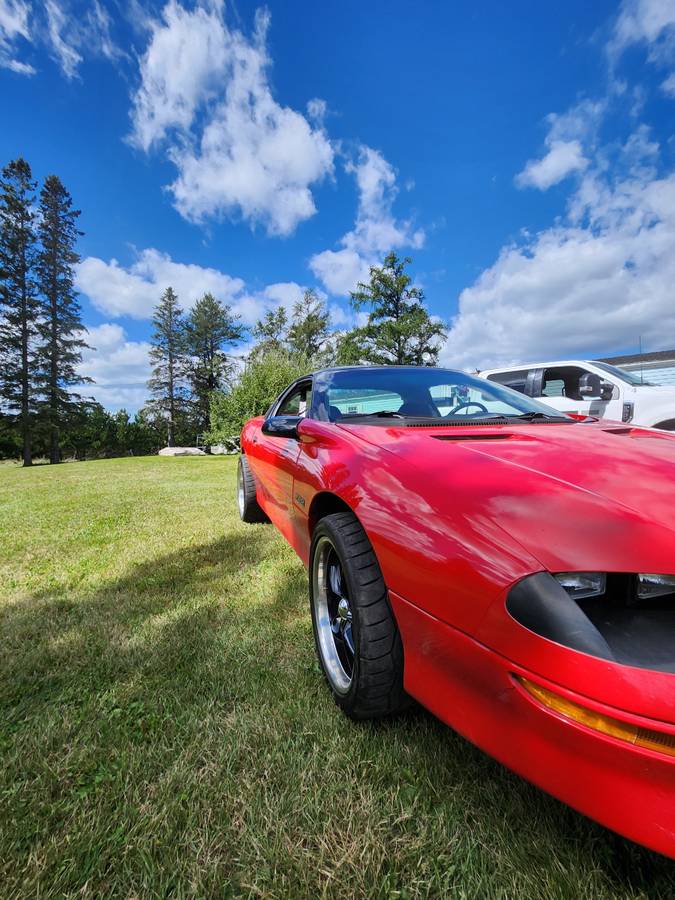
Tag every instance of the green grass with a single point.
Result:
(165, 731)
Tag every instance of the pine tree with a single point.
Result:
(308, 333)
(210, 327)
(61, 328)
(399, 330)
(270, 332)
(169, 363)
(19, 305)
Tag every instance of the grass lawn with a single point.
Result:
(165, 731)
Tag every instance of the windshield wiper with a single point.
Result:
(380, 414)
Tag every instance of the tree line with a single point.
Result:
(41, 332)
(199, 389)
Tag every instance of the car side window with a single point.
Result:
(562, 381)
(516, 380)
(297, 402)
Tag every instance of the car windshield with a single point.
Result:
(402, 392)
(629, 377)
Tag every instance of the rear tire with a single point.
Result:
(357, 639)
(250, 510)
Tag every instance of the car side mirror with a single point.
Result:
(282, 426)
(606, 390)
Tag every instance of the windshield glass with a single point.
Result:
(369, 394)
(629, 377)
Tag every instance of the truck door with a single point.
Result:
(561, 388)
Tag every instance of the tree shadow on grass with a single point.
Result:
(142, 661)
(161, 617)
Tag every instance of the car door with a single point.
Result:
(273, 457)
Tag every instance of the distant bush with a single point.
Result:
(262, 380)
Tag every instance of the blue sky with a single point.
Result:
(521, 154)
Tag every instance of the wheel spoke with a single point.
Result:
(348, 638)
(335, 580)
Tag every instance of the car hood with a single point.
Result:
(580, 496)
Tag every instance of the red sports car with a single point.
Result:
(509, 567)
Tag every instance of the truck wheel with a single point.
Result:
(668, 425)
(249, 508)
(357, 640)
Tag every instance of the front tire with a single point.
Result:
(357, 640)
(250, 510)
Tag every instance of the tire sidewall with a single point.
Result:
(241, 480)
(324, 530)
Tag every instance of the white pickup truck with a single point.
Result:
(594, 389)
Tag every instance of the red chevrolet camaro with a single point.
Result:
(509, 567)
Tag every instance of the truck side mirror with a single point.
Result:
(593, 387)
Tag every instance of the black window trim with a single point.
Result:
(304, 379)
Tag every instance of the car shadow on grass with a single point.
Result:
(115, 703)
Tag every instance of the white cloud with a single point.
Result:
(69, 31)
(204, 94)
(13, 28)
(644, 21)
(587, 286)
(339, 270)
(563, 158)
(376, 230)
(61, 40)
(135, 290)
(283, 293)
(119, 367)
(668, 86)
(567, 133)
(317, 110)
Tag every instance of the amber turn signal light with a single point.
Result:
(647, 738)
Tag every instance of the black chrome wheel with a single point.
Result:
(333, 617)
(357, 641)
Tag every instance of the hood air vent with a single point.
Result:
(501, 436)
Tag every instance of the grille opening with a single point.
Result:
(639, 632)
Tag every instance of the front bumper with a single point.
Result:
(473, 689)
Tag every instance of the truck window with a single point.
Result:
(515, 380)
(562, 382)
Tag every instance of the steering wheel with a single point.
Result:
(481, 408)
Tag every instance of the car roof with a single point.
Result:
(368, 368)
(549, 364)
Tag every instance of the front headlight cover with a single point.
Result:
(650, 585)
(583, 584)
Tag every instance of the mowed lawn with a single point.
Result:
(165, 731)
